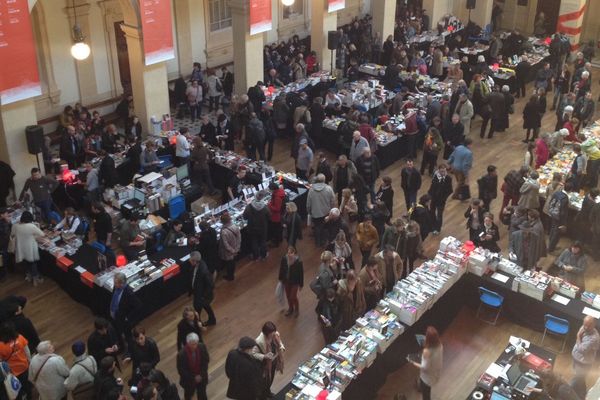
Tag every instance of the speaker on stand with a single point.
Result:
(333, 39)
(471, 4)
(35, 141)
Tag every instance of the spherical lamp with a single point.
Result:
(287, 3)
(80, 51)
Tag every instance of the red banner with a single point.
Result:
(336, 5)
(261, 19)
(157, 28)
(19, 77)
(570, 20)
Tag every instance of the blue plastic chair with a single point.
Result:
(491, 300)
(556, 326)
(98, 246)
(176, 207)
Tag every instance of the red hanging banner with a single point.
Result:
(157, 28)
(19, 77)
(261, 19)
(570, 20)
(336, 5)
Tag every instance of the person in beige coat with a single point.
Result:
(352, 299)
(530, 192)
(372, 281)
(349, 210)
(269, 351)
(465, 111)
(25, 235)
(391, 267)
(48, 371)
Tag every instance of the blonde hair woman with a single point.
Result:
(349, 210)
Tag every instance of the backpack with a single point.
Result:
(554, 209)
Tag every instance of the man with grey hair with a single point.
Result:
(333, 224)
(304, 160)
(192, 366)
(301, 134)
(584, 354)
(368, 168)
(320, 200)
(202, 288)
(124, 309)
(48, 371)
(358, 146)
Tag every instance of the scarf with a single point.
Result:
(193, 360)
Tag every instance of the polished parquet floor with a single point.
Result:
(244, 305)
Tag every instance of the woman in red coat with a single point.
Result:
(542, 152)
(571, 126)
(276, 207)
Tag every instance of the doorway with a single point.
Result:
(123, 57)
(551, 9)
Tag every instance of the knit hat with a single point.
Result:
(246, 343)
(78, 348)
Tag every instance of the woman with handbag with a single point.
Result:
(25, 235)
(15, 353)
(269, 350)
(342, 252)
(291, 276)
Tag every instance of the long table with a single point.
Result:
(386, 154)
(153, 295)
(517, 307)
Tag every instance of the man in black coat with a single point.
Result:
(440, 189)
(367, 167)
(202, 287)
(244, 372)
(411, 183)
(497, 103)
(256, 96)
(192, 366)
(70, 149)
(124, 309)
(488, 186)
(522, 74)
(107, 172)
(453, 135)
(103, 341)
(23, 325)
(258, 216)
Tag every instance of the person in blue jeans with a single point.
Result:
(41, 188)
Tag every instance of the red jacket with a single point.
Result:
(572, 137)
(367, 132)
(276, 204)
(541, 153)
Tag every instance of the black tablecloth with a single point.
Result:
(153, 296)
(387, 155)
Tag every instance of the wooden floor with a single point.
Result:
(244, 305)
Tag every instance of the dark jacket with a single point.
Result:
(531, 116)
(144, 354)
(105, 385)
(292, 274)
(559, 202)
(127, 314)
(256, 97)
(324, 168)
(186, 376)
(67, 152)
(208, 247)
(97, 343)
(440, 189)
(488, 187)
(423, 217)
(368, 168)
(512, 183)
(184, 328)
(522, 71)
(245, 376)
(492, 244)
(258, 215)
(411, 179)
(108, 172)
(202, 285)
(293, 224)
(497, 103)
(24, 326)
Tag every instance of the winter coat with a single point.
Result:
(366, 236)
(461, 159)
(352, 304)
(291, 274)
(440, 189)
(258, 215)
(230, 242)
(357, 148)
(276, 205)
(530, 194)
(320, 200)
(26, 247)
(48, 373)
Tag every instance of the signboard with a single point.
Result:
(19, 77)
(260, 16)
(336, 5)
(157, 29)
(570, 19)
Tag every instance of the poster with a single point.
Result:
(336, 5)
(570, 19)
(19, 76)
(260, 16)
(157, 29)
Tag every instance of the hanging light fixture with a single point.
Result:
(287, 3)
(80, 50)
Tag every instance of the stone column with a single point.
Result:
(149, 83)
(482, 14)
(184, 36)
(321, 22)
(436, 9)
(248, 65)
(384, 16)
(86, 72)
(14, 118)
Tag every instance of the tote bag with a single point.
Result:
(11, 384)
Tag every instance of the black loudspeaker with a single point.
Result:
(333, 40)
(35, 139)
(471, 4)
